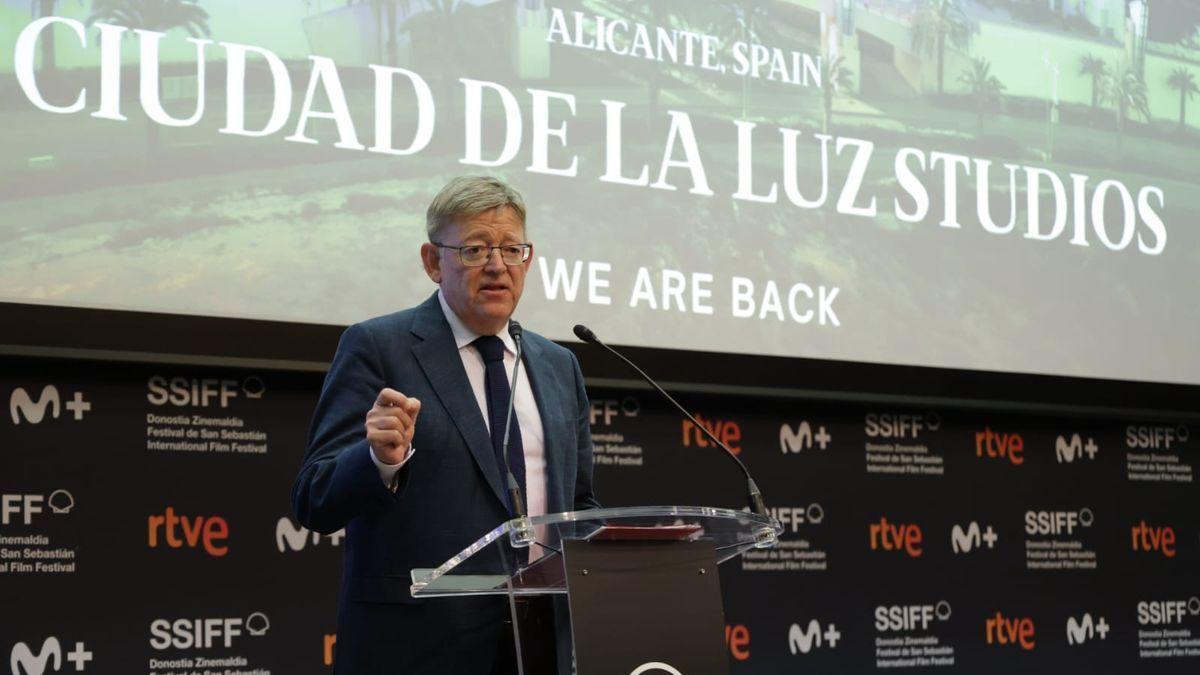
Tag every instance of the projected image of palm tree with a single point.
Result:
(453, 36)
(1126, 91)
(745, 21)
(836, 78)
(936, 23)
(47, 48)
(1095, 68)
(984, 87)
(386, 13)
(157, 15)
(1183, 81)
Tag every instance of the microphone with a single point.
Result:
(753, 494)
(514, 489)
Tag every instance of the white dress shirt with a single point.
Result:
(524, 407)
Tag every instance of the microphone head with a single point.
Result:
(584, 333)
(515, 330)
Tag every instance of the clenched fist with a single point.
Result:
(390, 425)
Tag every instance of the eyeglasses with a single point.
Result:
(478, 255)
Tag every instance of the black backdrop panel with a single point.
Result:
(145, 527)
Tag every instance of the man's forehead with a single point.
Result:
(501, 222)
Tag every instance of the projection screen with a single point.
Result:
(1003, 185)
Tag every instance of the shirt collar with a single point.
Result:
(463, 335)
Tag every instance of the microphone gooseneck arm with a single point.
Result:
(753, 494)
(514, 489)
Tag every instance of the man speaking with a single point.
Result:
(405, 446)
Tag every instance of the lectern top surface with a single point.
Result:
(524, 556)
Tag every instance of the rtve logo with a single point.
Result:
(792, 517)
(1155, 437)
(604, 411)
(726, 431)
(1067, 451)
(998, 445)
(804, 640)
(737, 638)
(329, 643)
(1084, 629)
(972, 538)
(292, 537)
(1057, 522)
(802, 438)
(1001, 630)
(1160, 612)
(25, 507)
(897, 537)
(21, 406)
(201, 392)
(906, 618)
(891, 425)
(1150, 538)
(211, 532)
(205, 633)
(22, 660)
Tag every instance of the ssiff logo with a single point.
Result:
(21, 406)
(971, 538)
(1160, 612)
(25, 507)
(792, 517)
(22, 660)
(1086, 628)
(292, 537)
(894, 618)
(1068, 450)
(1057, 522)
(1155, 437)
(202, 633)
(603, 411)
(802, 438)
(891, 425)
(812, 636)
(201, 392)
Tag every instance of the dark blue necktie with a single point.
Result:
(495, 382)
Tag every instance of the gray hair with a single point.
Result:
(467, 196)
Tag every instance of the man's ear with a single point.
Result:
(432, 262)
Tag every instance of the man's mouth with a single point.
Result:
(493, 287)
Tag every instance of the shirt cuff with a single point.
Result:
(388, 472)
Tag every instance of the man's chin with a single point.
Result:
(495, 312)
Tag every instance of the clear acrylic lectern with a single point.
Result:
(641, 582)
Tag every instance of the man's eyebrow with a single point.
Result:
(482, 234)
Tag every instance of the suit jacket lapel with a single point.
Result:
(541, 380)
(437, 354)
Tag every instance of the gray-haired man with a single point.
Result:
(421, 477)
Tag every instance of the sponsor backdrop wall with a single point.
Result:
(1001, 185)
(145, 527)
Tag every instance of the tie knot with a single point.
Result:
(490, 347)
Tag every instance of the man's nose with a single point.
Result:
(495, 262)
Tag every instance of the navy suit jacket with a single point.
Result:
(450, 490)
